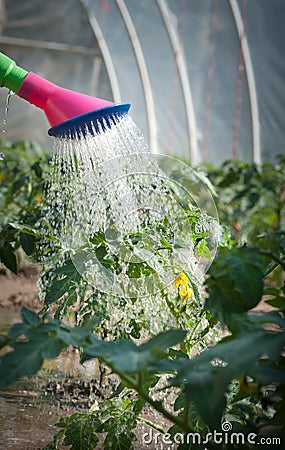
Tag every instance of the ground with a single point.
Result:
(18, 290)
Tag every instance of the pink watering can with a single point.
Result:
(70, 114)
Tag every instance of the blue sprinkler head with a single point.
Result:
(91, 123)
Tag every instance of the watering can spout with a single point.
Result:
(70, 114)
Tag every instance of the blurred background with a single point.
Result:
(205, 78)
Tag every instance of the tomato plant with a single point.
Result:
(250, 197)
(240, 379)
(23, 176)
(222, 359)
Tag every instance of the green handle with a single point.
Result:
(11, 76)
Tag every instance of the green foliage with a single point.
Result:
(23, 180)
(33, 340)
(116, 418)
(250, 198)
(60, 281)
(242, 372)
(236, 280)
(208, 376)
(79, 431)
(239, 379)
(24, 231)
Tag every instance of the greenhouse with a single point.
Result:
(142, 224)
(209, 72)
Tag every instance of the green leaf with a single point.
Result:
(119, 441)
(80, 431)
(37, 169)
(8, 258)
(164, 340)
(57, 290)
(235, 284)
(29, 317)
(27, 242)
(123, 356)
(203, 250)
(27, 356)
(268, 374)
(165, 243)
(180, 401)
(271, 317)
(207, 376)
(27, 230)
(98, 238)
(19, 183)
(277, 302)
(17, 330)
(126, 356)
(25, 360)
(60, 281)
(118, 391)
(73, 336)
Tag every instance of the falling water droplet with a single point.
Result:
(7, 104)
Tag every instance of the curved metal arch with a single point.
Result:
(152, 123)
(49, 45)
(185, 84)
(104, 51)
(250, 81)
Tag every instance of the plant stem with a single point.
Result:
(274, 257)
(155, 404)
(152, 425)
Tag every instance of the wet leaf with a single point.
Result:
(80, 431)
(62, 280)
(203, 250)
(118, 441)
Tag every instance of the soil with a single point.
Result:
(19, 290)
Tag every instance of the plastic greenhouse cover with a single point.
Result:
(211, 110)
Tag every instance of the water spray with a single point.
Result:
(127, 225)
(71, 114)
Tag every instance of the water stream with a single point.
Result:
(6, 111)
(5, 119)
(107, 186)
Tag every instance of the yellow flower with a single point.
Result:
(186, 293)
(38, 198)
(181, 279)
(184, 289)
